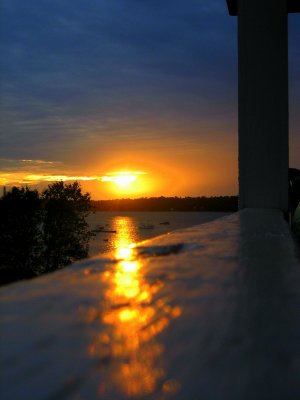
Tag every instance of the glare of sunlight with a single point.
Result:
(133, 319)
(121, 178)
(130, 182)
(129, 266)
(123, 253)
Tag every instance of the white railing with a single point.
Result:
(209, 312)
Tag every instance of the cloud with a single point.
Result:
(19, 172)
(38, 162)
(22, 172)
(23, 178)
(84, 74)
(10, 163)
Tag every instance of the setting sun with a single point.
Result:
(121, 179)
(129, 182)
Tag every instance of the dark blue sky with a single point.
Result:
(85, 81)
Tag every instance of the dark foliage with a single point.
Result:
(220, 203)
(66, 233)
(42, 233)
(20, 234)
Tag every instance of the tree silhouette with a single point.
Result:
(65, 234)
(42, 233)
(21, 235)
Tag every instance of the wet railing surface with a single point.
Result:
(209, 312)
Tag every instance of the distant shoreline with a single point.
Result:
(217, 203)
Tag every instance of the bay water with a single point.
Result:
(133, 227)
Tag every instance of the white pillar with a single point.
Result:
(263, 103)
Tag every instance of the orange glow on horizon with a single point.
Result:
(201, 171)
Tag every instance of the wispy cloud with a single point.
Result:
(16, 178)
(10, 165)
(14, 173)
(39, 162)
(25, 171)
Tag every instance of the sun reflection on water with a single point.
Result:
(132, 319)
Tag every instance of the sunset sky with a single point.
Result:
(131, 97)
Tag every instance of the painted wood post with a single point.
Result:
(263, 101)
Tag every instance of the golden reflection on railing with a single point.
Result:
(132, 319)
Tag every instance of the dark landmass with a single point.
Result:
(219, 203)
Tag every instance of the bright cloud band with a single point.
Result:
(121, 178)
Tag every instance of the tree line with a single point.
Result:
(41, 233)
(218, 203)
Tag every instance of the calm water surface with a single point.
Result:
(128, 231)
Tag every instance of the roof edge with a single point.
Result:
(293, 6)
(232, 7)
